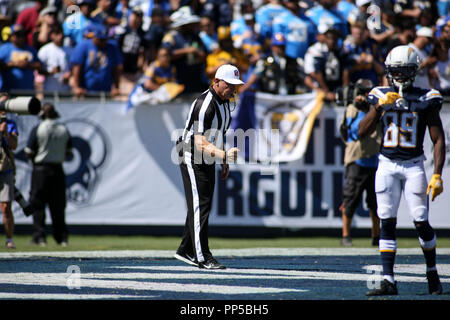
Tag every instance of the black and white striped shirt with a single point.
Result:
(209, 116)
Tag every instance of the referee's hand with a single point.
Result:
(231, 155)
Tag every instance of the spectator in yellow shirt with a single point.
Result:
(226, 53)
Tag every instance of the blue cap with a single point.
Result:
(88, 31)
(15, 28)
(278, 39)
(100, 32)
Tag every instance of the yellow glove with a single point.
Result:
(388, 98)
(436, 186)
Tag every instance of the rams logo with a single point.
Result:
(91, 149)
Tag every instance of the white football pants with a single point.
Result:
(394, 178)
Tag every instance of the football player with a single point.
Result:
(405, 112)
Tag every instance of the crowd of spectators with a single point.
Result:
(83, 46)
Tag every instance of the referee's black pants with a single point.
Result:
(198, 181)
(48, 187)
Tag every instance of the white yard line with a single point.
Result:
(122, 282)
(64, 296)
(249, 252)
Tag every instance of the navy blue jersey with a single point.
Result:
(404, 122)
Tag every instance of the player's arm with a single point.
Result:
(435, 186)
(369, 122)
(438, 138)
(77, 89)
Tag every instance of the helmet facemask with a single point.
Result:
(401, 76)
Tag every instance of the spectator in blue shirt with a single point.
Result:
(18, 61)
(327, 13)
(347, 8)
(238, 25)
(96, 65)
(264, 17)
(443, 7)
(299, 33)
(75, 24)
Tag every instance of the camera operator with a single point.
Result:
(49, 144)
(361, 161)
(8, 141)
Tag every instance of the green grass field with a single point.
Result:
(89, 243)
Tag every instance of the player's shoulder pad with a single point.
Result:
(377, 93)
(426, 99)
(381, 90)
(430, 95)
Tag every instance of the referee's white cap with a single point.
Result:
(229, 74)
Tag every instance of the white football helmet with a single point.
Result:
(402, 64)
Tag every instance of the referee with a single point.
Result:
(200, 148)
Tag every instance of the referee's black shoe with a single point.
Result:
(386, 288)
(434, 284)
(211, 264)
(186, 258)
